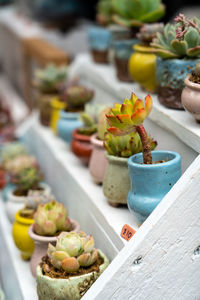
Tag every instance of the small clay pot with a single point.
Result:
(191, 98)
(81, 146)
(41, 245)
(2, 178)
(44, 105)
(98, 162)
(116, 182)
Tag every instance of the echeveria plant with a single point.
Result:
(51, 218)
(28, 179)
(128, 117)
(137, 12)
(179, 40)
(72, 251)
(12, 150)
(104, 12)
(34, 198)
(16, 165)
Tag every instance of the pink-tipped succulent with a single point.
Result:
(51, 218)
(72, 251)
(128, 117)
(17, 165)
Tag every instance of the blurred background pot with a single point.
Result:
(116, 182)
(150, 183)
(56, 106)
(44, 105)
(68, 122)
(21, 238)
(170, 76)
(142, 67)
(122, 52)
(98, 162)
(81, 146)
(99, 43)
(191, 98)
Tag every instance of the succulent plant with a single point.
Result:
(72, 251)
(102, 124)
(104, 12)
(137, 12)
(15, 166)
(125, 146)
(34, 198)
(51, 218)
(12, 150)
(128, 117)
(179, 40)
(148, 32)
(28, 179)
(47, 79)
(90, 118)
(76, 96)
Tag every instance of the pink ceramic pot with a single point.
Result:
(98, 162)
(41, 245)
(191, 98)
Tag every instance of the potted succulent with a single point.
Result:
(81, 145)
(104, 12)
(50, 220)
(116, 182)
(70, 268)
(178, 51)
(190, 96)
(46, 82)
(28, 179)
(152, 174)
(75, 96)
(98, 162)
(142, 63)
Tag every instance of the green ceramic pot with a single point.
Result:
(67, 289)
(116, 182)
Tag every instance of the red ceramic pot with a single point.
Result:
(81, 146)
(2, 178)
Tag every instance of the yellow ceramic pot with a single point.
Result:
(56, 105)
(142, 67)
(21, 238)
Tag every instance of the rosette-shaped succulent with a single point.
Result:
(104, 12)
(125, 146)
(179, 40)
(128, 117)
(72, 251)
(76, 96)
(136, 12)
(12, 150)
(51, 218)
(149, 31)
(47, 79)
(28, 179)
(34, 198)
(15, 166)
(102, 124)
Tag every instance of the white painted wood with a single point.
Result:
(166, 242)
(15, 272)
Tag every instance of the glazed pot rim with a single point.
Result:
(69, 115)
(23, 220)
(178, 60)
(143, 49)
(81, 137)
(191, 84)
(56, 103)
(117, 159)
(47, 239)
(74, 278)
(95, 141)
(174, 160)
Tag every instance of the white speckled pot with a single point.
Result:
(116, 182)
(15, 203)
(66, 289)
(41, 245)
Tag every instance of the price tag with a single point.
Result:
(127, 232)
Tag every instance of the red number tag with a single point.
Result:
(127, 232)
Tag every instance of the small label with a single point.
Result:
(127, 232)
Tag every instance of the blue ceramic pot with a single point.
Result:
(99, 43)
(170, 76)
(6, 190)
(122, 52)
(150, 183)
(67, 123)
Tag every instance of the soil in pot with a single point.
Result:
(49, 270)
(21, 193)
